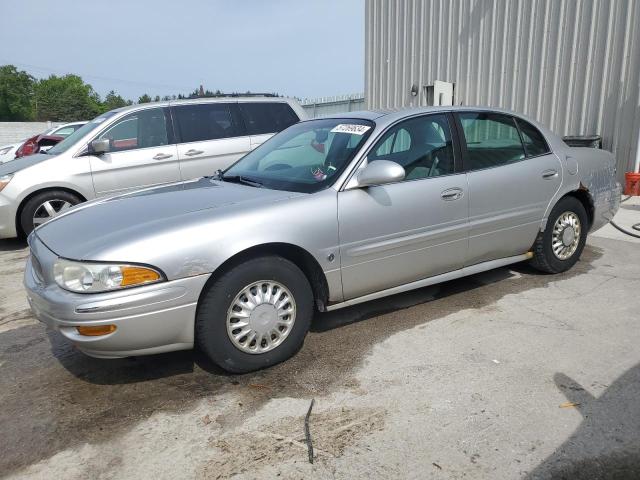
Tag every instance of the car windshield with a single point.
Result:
(306, 157)
(72, 139)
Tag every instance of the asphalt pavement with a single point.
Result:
(506, 374)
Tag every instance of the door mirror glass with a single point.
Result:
(99, 146)
(380, 172)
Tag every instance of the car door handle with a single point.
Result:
(549, 174)
(452, 194)
(162, 156)
(192, 152)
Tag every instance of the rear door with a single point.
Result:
(511, 183)
(142, 153)
(263, 119)
(211, 137)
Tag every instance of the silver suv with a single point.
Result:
(134, 147)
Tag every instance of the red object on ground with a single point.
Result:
(632, 183)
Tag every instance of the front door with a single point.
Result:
(399, 233)
(510, 183)
(141, 154)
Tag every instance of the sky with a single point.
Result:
(303, 48)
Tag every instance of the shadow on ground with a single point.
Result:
(12, 244)
(606, 446)
(54, 397)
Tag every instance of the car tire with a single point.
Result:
(559, 247)
(277, 279)
(57, 200)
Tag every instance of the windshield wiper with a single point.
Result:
(240, 179)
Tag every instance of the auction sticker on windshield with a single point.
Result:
(350, 128)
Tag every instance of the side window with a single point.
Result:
(267, 117)
(534, 142)
(205, 121)
(399, 141)
(422, 145)
(64, 132)
(143, 129)
(492, 140)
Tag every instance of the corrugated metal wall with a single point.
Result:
(574, 65)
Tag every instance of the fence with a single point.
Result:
(13, 132)
(320, 107)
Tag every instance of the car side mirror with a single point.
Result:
(380, 172)
(100, 146)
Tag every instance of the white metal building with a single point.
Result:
(574, 65)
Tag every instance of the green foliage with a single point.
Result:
(113, 101)
(65, 99)
(16, 93)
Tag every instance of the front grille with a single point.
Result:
(37, 268)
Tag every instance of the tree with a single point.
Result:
(65, 99)
(16, 94)
(112, 101)
(144, 99)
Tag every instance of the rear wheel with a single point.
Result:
(255, 315)
(559, 247)
(44, 206)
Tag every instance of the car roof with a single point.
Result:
(221, 99)
(385, 117)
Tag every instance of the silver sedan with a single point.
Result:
(328, 213)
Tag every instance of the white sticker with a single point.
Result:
(351, 128)
(98, 120)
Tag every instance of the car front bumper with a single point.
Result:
(7, 217)
(150, 319)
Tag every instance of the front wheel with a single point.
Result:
(559, 247)
(255, 315)
(44, 206)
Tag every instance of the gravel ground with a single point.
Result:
(506, 374)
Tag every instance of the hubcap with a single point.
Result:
(261, 317)
(566, 235)
(49, 210)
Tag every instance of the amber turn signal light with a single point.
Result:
(137, 276)
(96, 330)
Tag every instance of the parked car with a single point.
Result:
(8, 152)
(328, 213)
(134, 147)
(43, 141)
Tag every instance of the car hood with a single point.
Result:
(89, 231)
(21, 163)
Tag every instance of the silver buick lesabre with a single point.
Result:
(328, 213)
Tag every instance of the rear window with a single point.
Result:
(534, 142)
(206, 121)
(267, 117)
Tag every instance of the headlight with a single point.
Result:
(101, 277)
(4, 180)
(4, 151)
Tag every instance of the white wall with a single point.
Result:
(13, 132)
(319, 107)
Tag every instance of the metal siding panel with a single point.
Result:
(574, 65)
